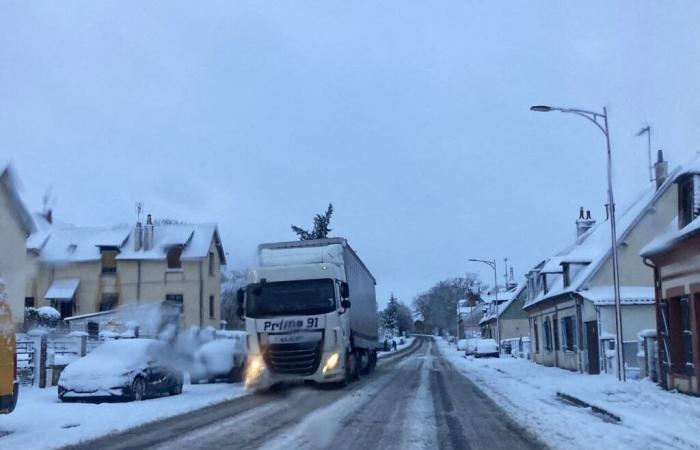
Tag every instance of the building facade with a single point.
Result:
(15, 225)
(83, 270)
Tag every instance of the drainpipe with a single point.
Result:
(201, 295)
(556, 338)
(138, 281)
(602, 361)
(660, 374)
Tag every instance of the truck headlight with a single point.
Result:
(255, 368)
(331, 362)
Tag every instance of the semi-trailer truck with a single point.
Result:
(310, 312)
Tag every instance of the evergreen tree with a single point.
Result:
(321, 226)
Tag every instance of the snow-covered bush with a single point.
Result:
(44, 317)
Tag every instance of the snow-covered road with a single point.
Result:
(415, 400)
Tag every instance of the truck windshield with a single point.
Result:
(290, 297)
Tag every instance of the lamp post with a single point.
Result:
(492, 264)
(601, 121)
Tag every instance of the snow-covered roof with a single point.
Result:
(194, 238)
(592, 249)
(629, 295)
(505, 299)
(62, 289)
(70, 244)
(9, 184)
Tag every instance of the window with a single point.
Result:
(109, 261)
(174, 261)
(212, 264)
(212, 315)
(555, 333)
(686, 202)
(109, 302)
(568, 334)
(29, 302)
(547, 334)
(175, 300)
(536, 335)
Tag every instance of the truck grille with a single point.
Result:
(296, 359)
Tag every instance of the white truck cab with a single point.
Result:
(310, 314)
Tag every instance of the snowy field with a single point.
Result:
(40, 421)
(652, 418)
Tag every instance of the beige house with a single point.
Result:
(15, 225)
(512, 319)
(570, 299)
(84, 270)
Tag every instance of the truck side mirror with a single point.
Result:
(240, 297)
(345, 303)
(344, 290)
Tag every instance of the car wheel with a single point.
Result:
(138, 389)
(176, 390)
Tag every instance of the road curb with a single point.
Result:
(584, 404)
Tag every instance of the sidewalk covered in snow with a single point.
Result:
(528, 392)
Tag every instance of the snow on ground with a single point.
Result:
(652, 418)
(407, 341)
(40, 421)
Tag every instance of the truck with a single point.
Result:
(310, 312)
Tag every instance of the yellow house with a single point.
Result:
(84, 270)
(15, 225)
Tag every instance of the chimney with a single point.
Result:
(584, 222)
(148, 234)
(48, 215)
(661, 169)
(138, 236)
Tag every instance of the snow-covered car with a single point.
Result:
(470, 346)
(462, 345)
(129, 369)
(486, 348)
(220, 359)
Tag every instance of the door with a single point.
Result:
(593, 347)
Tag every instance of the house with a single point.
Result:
(512, 319)
(470, 310)
(15, 225)
(570, 301)
(675, 258)
(83, 270)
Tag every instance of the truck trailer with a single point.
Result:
(310, 313)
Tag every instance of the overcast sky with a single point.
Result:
(410, 116)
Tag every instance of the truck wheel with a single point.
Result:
(357, 366)
(348, 370)
(372, 360)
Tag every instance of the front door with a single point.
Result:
(593, 347)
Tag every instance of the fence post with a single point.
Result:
(83, 345)
(42, 361)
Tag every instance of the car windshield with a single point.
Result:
(290, 297)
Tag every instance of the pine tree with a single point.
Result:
(321, 226)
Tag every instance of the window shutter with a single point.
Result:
(574, 334)
(666, 362)
(687, 336)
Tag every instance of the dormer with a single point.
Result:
(688, 198)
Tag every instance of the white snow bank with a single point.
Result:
(651, 417)
(40, 421)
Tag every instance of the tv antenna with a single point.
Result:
(647, 130)
(139, 210)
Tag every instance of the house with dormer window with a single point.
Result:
(86, 270)
(570, 302)
(675, 258)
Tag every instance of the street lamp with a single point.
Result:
(597, 118)
(492, 264)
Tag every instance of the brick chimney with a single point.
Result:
(661, 169)
(584, 222)
(148, 234)
(138, 236)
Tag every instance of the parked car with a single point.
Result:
(8, 358)
(130, 369)
(462, 345)
(220, 359)
(486, 348)
(470, 346)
